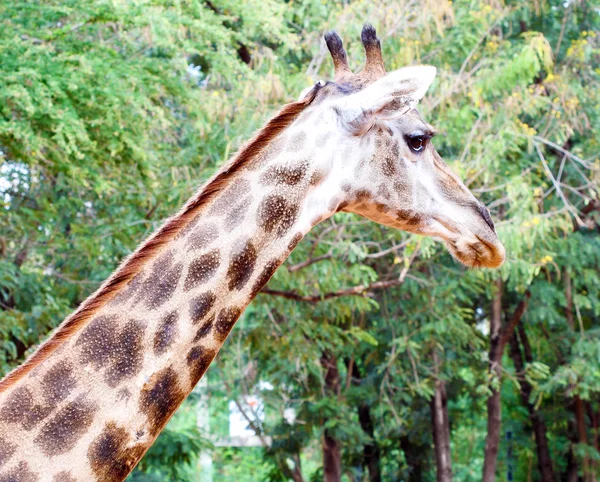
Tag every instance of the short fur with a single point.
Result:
(134, 263)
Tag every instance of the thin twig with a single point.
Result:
(569, 154)
(557, 186)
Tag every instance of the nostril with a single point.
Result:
(486, 216)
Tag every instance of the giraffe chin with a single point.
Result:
(476, 252)
(470, 249)
(473, 250)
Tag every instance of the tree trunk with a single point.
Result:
(492, 438)
(569, 299)
(332, 466)
(441, 433)
(371, 455)
(579, 410)
(296, 472)
(593, 416)
(579, 425)
(537, 421)
(332, 454)
(572, 471)
(500, 334)
(415, 459)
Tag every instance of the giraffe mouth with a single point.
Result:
(476, 252)
(469, 248)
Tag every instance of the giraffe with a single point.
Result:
(93, 398)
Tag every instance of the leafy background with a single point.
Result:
(113, 112)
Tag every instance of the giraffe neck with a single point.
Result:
(91, 408)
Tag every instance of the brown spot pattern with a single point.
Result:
(202, 237)
(199, 359)
(63, 476)
(103, 345)
(383, 191)
(7, 450)
(62, 432)
(201, 305)
(294, 241)
(316, 219)
(269, 152)
(127, 353)
(187, 229)
(402, 187)
(276, 214)
(333, 204)
(237, 214)
(58, 382)
(316, 177)
(20, 408)
(297, 141)
(20, 473)
(241, 265)
(282, 174)
(225, 321)
(158, 289)
(390, 158)
(110, 456)
(202, 269)
(408, 217)
(205, 329)
(160, 397)
(165, 333)
(97, 341)
(362, 195)
(239, 187)
(162, 264)
(128, 292)
(266, 274)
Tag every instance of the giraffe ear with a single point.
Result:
(387, 98)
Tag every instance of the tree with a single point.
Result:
(111, 114)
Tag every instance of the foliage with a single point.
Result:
(111, 113)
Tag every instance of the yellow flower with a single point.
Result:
(535, 221)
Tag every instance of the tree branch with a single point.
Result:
(509, 328)
(308, 262)
(359, 290)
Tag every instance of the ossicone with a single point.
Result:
(374, 67)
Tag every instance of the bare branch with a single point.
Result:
(566, 202)
(308, 262)
(567, 153)
(359, 290)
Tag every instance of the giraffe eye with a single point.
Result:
(417, 143)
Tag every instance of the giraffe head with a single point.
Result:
(380, 161)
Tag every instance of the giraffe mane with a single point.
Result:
(134, 263)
